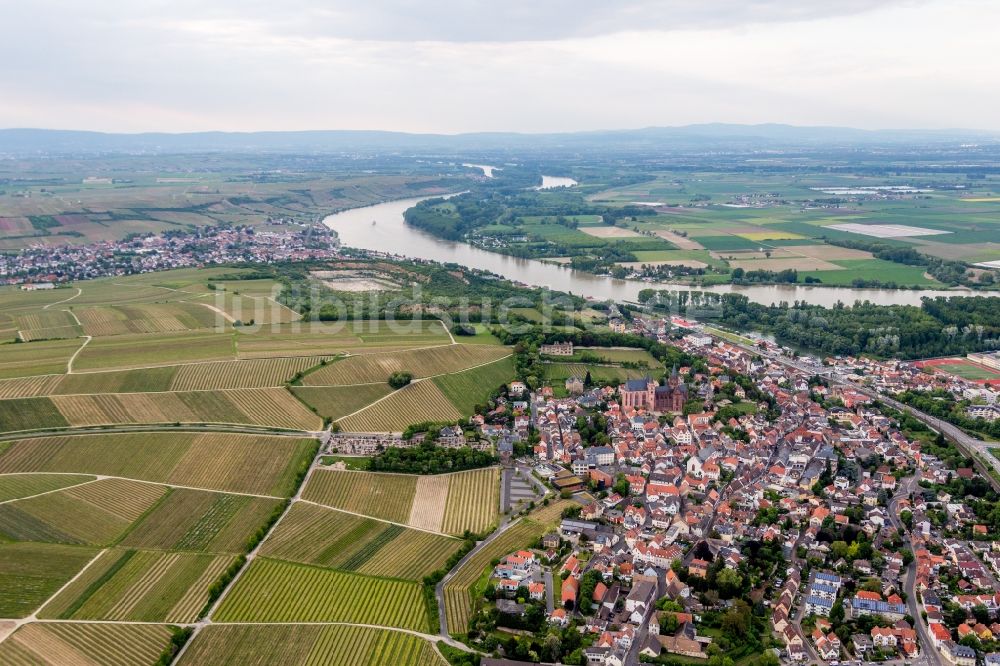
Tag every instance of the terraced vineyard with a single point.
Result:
(301, 645)
(274, 591)
(416, 403)
(329, 538)
(376, 368)
(81, 643)
(137, 585)
(235, 463)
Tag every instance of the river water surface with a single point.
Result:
(381, 228)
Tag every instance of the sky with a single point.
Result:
(455, 66)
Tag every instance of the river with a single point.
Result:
(381, 228)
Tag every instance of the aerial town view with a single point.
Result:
(498, 334)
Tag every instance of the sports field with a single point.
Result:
(961, 367)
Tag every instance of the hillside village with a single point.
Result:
(770, 514)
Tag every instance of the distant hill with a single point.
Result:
(27, 141)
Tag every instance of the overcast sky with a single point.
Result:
(521, 65)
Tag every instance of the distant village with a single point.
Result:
(203, 246)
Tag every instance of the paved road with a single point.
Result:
(929, 656)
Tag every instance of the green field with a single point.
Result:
(30, 414)
(304, 645)
(274, 591)
(967, 370)
(31, 572)
(338, 401)
(473, 387)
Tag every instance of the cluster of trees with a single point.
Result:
(430, 459)
(398, 380)
(786, 276)
(939, 327)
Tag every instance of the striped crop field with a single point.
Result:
(81, 644)
(198, 520)
(326, 537)
(32, 572)
(45, 357)
(92, 513)
(415, 403)
(28, 387)
(47, 325)
(139, 585)
(385, 496)
(459, 597)
(16, 486)
(374, 368)
(304, 645)
(429, 502)
(473, 501)
(274, 591)
(257, 464)
(473, 387)
(257, 373)
(145, 318)
(260, 310)
(269, 407)
(338, 401)
(121, 352)
(322, 338)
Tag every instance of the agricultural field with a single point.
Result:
(302, 645)
(336, 402)
(473, 501)
(376, 368)
(72, 644)
(197, 520)
(92, 513)
(16, 486)
(138, 585)
(30, 414)
(121, 352)
(249, 310)
(418, 402)
(44, 357)
(385, 496)
(47, 325)
(267, 407)
(146, 318)
(31, 572)
(320, 339)
(311, 534)
(274, 591)
(448, 503)
(258, 464)
(241, 374)
(473, 387)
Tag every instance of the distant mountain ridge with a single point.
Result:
(26, 141)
